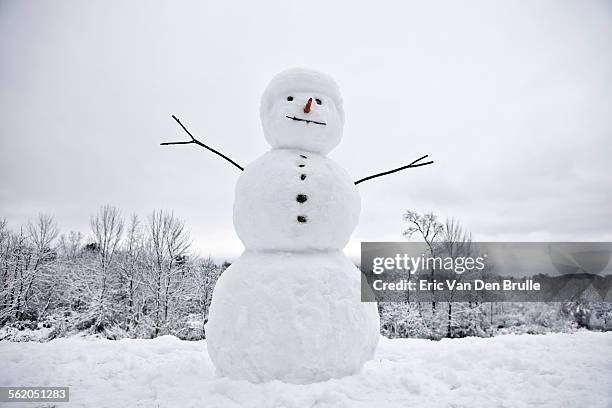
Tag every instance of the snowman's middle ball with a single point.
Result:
(280, 205)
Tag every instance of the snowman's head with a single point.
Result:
(302, 109)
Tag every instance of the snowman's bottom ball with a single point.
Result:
(292, 317)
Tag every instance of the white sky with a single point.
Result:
(513, 100)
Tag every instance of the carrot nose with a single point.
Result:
(307, 106)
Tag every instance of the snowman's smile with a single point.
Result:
(305, 120)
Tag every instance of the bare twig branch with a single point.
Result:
(408, 166)
(197, 142)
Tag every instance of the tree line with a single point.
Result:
(132, 278)
(450, 319)
(137, 277)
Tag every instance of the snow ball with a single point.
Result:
(290, 121)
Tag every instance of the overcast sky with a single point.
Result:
(513, 100)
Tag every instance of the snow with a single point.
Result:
(555, 370)
(26, 334)
(295, 317)
(266, 206)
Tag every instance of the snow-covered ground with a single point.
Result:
(556, 370)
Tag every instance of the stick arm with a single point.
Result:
(416, 163)
(197, 142)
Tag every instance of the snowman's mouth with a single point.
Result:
(305, 120)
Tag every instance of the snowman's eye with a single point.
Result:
(290, 98)
(318, 101)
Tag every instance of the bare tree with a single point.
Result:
(455, 243)
(107, 228)
(26, 259)
(5, 254)
(130, 268)
(4, 232)
(205, 278)
(71, 245)
(429, 229)
(42, 234)
(17, 261)
(168, 242)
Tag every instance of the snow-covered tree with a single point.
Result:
(167, 242)
(107, 229)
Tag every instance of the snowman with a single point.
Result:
(289, 308)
